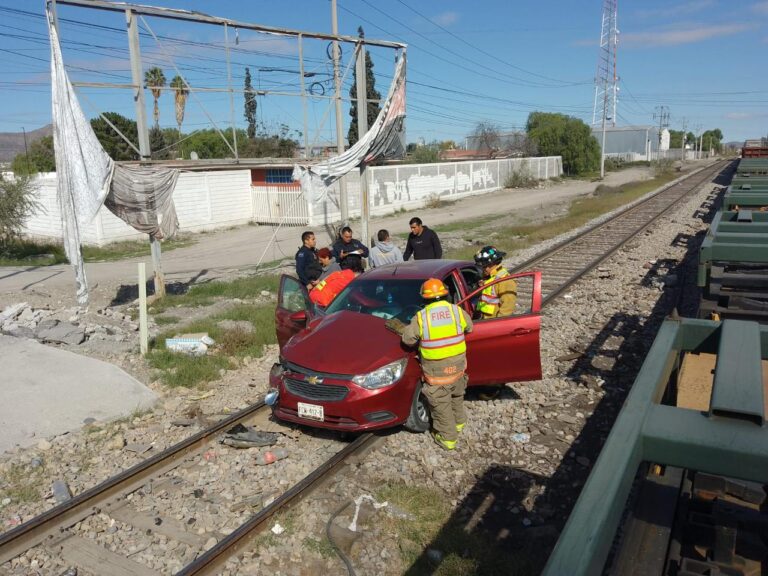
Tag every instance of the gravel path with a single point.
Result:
(517, 490)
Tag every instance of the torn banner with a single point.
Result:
(385, 139)
(87, 176)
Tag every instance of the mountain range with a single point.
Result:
(12, 143)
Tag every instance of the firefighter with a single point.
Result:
(500, 298)
(439, 329)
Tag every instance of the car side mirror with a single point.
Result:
(298, 317)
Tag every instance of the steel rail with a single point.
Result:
(571, 252)
(58, 519)
(211, 561)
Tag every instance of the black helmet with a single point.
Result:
(489, 256)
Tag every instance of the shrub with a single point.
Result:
(17, 203)
(520, 179)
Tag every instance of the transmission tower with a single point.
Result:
(607, 78)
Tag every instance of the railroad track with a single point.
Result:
(52, 528)
(568, 261)
(562, 265)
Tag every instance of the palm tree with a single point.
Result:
(155, 79)
(180, 91)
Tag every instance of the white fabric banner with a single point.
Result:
(383, 140)
(83, 168)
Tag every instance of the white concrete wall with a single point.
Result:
(204, 201)
(216, 199)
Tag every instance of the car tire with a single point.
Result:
(419, 419)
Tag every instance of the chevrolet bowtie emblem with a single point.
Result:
(314, 380)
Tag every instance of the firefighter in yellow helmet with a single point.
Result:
(500, 298)
(439, 329)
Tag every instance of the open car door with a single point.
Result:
(293, 309)
(506, 349)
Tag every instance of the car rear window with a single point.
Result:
(383, 298)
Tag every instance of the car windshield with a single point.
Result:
(385, 298)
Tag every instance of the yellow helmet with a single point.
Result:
(433, 288)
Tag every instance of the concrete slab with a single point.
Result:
(46, 391)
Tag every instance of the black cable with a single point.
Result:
(344, 558)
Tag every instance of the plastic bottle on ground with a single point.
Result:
(271, 456)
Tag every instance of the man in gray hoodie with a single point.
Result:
(384, 251)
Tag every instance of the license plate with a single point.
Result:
(311, 411)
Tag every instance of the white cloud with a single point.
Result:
(760, 8)
(688, 35)
(446, 18)
(679, 10)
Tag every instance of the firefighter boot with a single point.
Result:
(442, 442)
(460, 427)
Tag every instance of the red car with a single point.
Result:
(342, 369)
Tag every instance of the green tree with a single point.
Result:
(155, 80)
(180, 92)
(39, 158)
(426, 154)
(373, 108)
(17, 203)
(250, 105)
(566, 136)
(158, 144)
(712, 140)
(111, 141)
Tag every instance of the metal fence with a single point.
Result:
(280, 205)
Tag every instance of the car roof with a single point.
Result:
(415, 269)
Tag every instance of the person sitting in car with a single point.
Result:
(326, 290)
(325, 256)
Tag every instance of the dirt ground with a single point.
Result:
(230, 252)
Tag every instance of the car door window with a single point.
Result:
(292, 295)
(453, 289)
(526, 301)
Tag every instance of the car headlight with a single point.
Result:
(382, 377)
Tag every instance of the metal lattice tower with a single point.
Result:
(607, 78)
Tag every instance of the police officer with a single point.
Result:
(439, 329)
(306, 255)
(498, 299)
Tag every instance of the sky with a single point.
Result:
(468, 62)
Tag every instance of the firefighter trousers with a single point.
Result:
(447, 406)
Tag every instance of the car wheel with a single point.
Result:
(419, 417)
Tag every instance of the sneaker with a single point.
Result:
(460, 427)
(447, 444)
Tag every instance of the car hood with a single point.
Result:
(344, 343)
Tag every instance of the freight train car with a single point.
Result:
(683, 476)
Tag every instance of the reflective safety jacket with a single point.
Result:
(489, 302)
(441, 331)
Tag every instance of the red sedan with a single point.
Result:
(342, 369)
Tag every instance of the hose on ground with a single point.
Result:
(339, 553)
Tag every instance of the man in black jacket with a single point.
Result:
(348, 250)
(423, 243)
(305, 256)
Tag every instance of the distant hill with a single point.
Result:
(12, 143)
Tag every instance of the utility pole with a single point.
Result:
(26, 151)
(231, 93)
(144, 149)
(362, 128)
(343, 202)
(682, 142)
(662, 113)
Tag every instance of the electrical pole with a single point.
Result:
(343, 202)
(231, 93)
(144, 149)
(362, 128)
(26, 151)
(606, 79)
(662, 113)
(682, 143)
